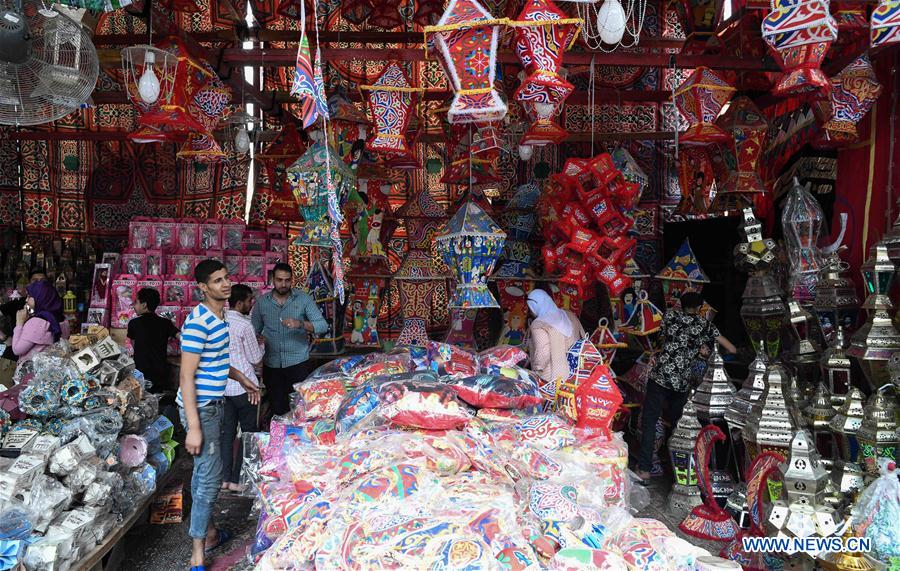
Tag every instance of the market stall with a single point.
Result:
(423, 167)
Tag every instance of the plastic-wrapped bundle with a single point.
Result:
(355, 407)
(28, 424)
(39, 399)
(451, 361)
(16, 521)
(102, 490)
(378, 368)
(495, 391)
(132, 450)
(101, 427)
(421, 404)
(136, 418)
(5, 422)
(501, 356)
(142, 480)
(54, 426)
(84, 474)
(48, 499)
(322, 396)
(877, 512)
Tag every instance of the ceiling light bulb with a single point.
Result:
(148, 85)
(611, 21)
(526, 152)
(242, 140)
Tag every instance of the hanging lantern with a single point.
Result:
(799, 35)
(885, 24)
(699, 100)
(770, 424)
(891, 241)
(836, 368)
(697, 180)
(428, 12)
(708, 520)
(644, 323)
(606, 341)
(700, 21)
(685, 494)
(385, 15)
(286, 148)
(836, 303)
(543, 33)
(149, 75)
(846, 473)
(519, 220)
(801, 221)
(747, 127)
(749, 393)
(853, 93)
(754, 254)
(715, 393)
(390, 100)
(874, 343)
(466, 39)
(682, 273)
(877, 435)
(320, 286)
(356, 12)
(801, 321)
(470, 244)
(763, 312)
(307, 178)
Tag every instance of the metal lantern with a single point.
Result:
(542, 33)
(747, 127)
(470, 244)
(818, 415)
(754, 253)
(874, 343)
(749, 393)
(466, 39)
(699, 100)
(391, 99)
(836, 368)
(836, 303)
(801, 322)
(763, 313)
(885, 24)
(685, 494)
(682, 273)
(308, 178)
(853, 93)
(716, 392)
(877, 435)
(891, 240)
(846, 473)
(770, 424)
(801, 221)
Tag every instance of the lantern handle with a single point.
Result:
(833, 247)
(886, 386)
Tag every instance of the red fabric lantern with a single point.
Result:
(286, 148)
(747, 127)
(697, 179)
(853, 93)
(700, 99)
(802, 75)
(390, 101)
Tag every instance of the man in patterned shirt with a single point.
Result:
(685, 335)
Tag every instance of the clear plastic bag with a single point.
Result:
(48, 499)
(877, 512)
(450, 361)
(322, 396)
(495, 391)
(421, 404)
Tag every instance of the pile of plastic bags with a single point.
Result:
(439, 459)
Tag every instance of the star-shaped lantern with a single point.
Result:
(466, 39)
(747, 127)
(542, 33)
(798, 35)
(853, 93)
(390, 102)
(700, 99)
(470, 245)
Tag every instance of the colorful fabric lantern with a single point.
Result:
(644, 322)
(697, 179)
(606, 341)
(853, 93)
(286, 148)
(798, 35)
(308, 180)
(542, 33)
(462, 329)
(514, 301)
(630, 169)
(364, 307)
(885, 24)
(466, 39)
(385, 15)
(321, 287)
(466, 167)
(519, 219)
(682, 273)
(747, 127)
(208, 107)
(582, 358)
(390, 101)
(708, 520)
(699, 99)
(470, 245)
(428, 12)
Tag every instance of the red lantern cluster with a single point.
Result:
(584, 211)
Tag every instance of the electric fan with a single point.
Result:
(48, 65)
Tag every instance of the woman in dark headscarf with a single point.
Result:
(41, 323)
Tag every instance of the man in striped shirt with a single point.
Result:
(205, 369)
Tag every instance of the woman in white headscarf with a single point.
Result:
(551, 334)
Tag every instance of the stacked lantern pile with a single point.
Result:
(586, 224)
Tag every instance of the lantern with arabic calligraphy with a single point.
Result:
(470, 244)
(207, 106)
(884, 28)
(543, 33)
(699, 99)
(798, 35)
(307, 177)
(853, 93)
(390, 102)
(747, 128)
(466, 39)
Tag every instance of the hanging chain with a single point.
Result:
(635, 16)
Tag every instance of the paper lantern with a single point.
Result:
(307, 178)
(682, 273)
(390, 100)
(466, 166)
(801, 221)
(542, 33)
(747, 127)
(699, 100)
(885, 24)
(853, 93)
(466, 39)
(470, 244)
(630, 169)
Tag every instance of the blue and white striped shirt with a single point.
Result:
(206, 335)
